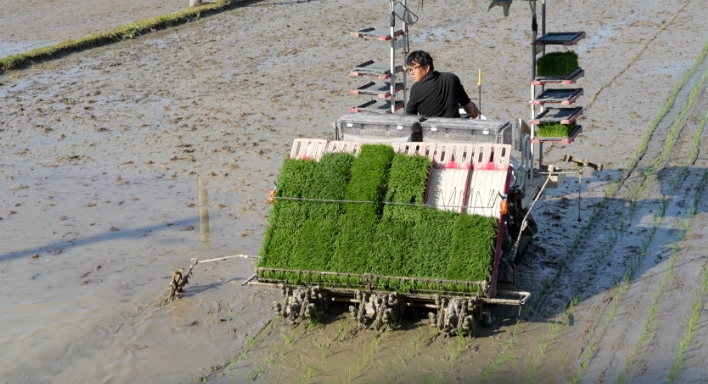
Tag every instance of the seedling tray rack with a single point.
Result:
(559, 38)
(560, 140)
(562, 96)
(558, 115)
(376, 106)
(565, 80)
(375, 33)
(378, 89)
(371, 68)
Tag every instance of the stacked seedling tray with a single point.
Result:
(383, 92)
(553, 110)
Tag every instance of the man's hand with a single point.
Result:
(471, 110)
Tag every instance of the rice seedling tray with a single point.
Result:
(376, 106)
(441, 130)
(560, 38)
(562, 96)
(558, 115)
(376, 128)
(560, 140)
(370, 282)
(376, 33)
(565, 80)
(371, 68)
(375, 88)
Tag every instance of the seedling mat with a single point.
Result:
(376, 33)
(570, 79)
(382, 90)
(377, 106)
(560, 38)
(560, 140)
(558, 96)
(558, 115)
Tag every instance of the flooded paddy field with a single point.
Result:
(101, 151)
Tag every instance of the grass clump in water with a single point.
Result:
(555, 129)
(121, 33)
(557, 64)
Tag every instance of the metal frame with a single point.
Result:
(398, 44)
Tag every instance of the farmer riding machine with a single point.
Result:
(403, 212)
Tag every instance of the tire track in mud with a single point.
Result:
(635, 171)
(624, 336)
(600, 318)
(601, 315)
(637, 56)
(655, 361)
(580, 271)
(587, 274)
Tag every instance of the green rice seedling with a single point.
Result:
(557, 64)
(362, 353)
(287, 216)
(340, 331)
(550, 129)
(543, 345)
(451, 356)
(392, 243)
(554, 329)
(311, 324)
(286, 339)
(374, 344)
(400, 360)
(696, 310)
(531, 370)
(268, 360)
(418, 339)
(369, 172)
(433, 234)
(349, 373)
(329, 180)
(472, 248)
(322, 350)
(460, 339)
(407, 184)
(310, 369)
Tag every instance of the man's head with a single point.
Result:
(419, 63)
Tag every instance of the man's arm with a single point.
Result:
(471, 110)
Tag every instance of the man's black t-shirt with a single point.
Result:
(439, 94)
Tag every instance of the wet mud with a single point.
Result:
(101, 151)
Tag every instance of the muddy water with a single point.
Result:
(87, 255)
(101, 151)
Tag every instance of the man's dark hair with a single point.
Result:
(421, 58)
